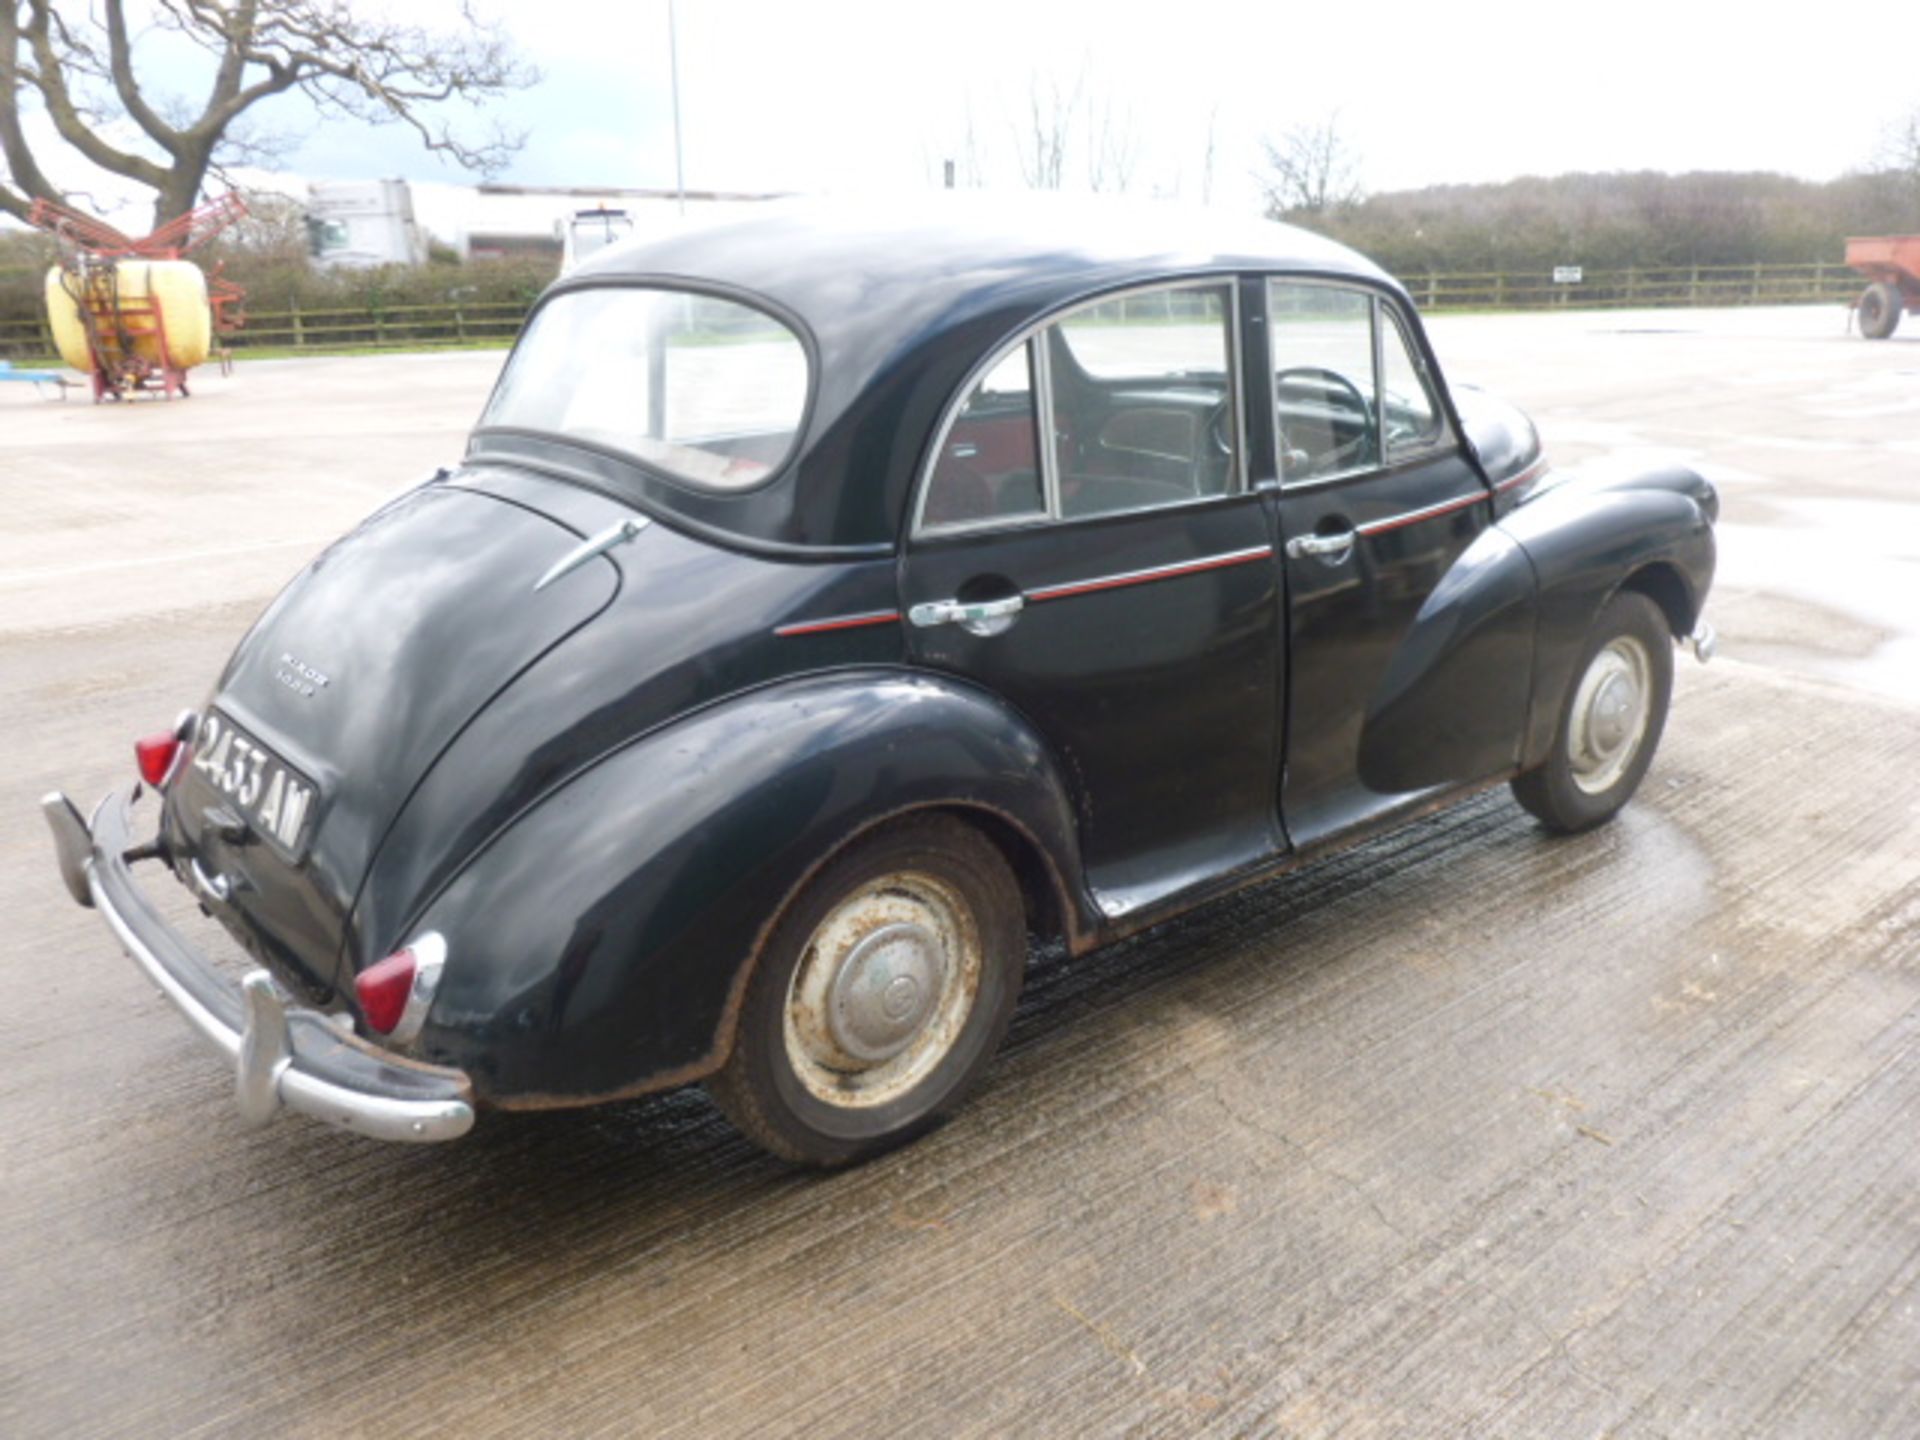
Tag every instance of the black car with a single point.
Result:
(834, 605)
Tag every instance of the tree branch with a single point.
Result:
(50, 80)
(13, 141)
(362, 65)
(120, 69)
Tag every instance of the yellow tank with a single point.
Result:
(153, 297)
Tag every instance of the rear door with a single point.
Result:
(1116, 585)
(1392, 695)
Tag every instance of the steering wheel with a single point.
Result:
(1341, 454)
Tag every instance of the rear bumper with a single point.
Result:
(280, 1054)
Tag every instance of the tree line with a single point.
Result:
(1614, 221)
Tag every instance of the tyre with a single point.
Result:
(1880, 310)
(880, 997)
(1611, 722)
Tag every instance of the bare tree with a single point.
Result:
(1311, 170)
(1050, 111)
(77, 64)
(1206, 164)
(1113, 147)
(959, 151)
(1897, 159)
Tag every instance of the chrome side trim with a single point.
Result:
(592, 546)
(838, 622)
(1532, 472)
(1156, 572)
(1425, 512)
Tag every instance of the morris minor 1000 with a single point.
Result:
(832, 606)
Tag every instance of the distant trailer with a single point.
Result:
(1892, 264)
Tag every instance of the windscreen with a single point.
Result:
(705, 390)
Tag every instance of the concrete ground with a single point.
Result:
(1467, 1132)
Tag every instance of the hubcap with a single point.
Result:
(1610, 713)
(883, 990)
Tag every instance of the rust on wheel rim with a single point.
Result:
(883, 990)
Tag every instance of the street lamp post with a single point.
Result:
(673, 65)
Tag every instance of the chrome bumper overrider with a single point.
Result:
(281, 1054)
(1703, 641)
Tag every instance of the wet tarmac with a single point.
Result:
(1466, 1132)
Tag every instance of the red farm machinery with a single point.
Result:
(136, 315)
(1891, 264)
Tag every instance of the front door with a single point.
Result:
(1116, 586)
(1392, 695)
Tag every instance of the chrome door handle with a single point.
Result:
(981, 617)
(1330, 548)
(218, 887)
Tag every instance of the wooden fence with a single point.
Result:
(1635, 286)
(452, 323)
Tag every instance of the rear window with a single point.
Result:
(705, 390)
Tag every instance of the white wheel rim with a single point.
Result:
(1611, 709)
(883, 990)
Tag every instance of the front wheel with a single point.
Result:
(1612, 720)
(880, 996)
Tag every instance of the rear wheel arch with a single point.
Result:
(1045, 902)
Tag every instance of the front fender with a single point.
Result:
(1450, 705)
(600, 944)
(1587, 539)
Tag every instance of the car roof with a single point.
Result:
(1044, 248)
(899, 299)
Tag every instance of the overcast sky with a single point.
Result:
(849, 94)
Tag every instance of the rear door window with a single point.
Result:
(989, 465)
(1141, 394)
(1138, 396)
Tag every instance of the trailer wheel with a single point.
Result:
(1880, 310)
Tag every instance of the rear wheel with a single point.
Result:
(880, 997)
(1611, 722)
(1880, 310)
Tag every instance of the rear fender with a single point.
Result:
(600, 945)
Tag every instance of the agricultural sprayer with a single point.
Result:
(137, 314)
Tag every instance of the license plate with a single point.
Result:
(275, 800)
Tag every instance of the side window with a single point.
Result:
(989, 464)
(1322, 342)
(1408, 411)
(1141, 394)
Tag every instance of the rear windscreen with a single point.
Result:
(708, 391)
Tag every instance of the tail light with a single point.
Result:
(396, 993)
(156, 753)
(159, 753)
